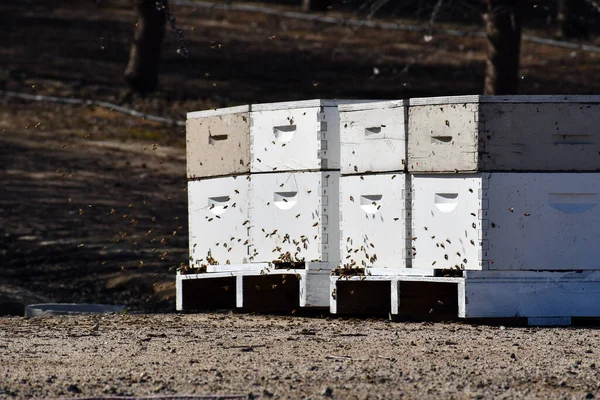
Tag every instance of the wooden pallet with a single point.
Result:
(539, 298)
(262, 288)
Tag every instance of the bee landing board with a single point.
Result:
(219, 221)
(504, 133)
(373, 136)
(506, 221)
(218, 142)
(295, 217)
(373, 221)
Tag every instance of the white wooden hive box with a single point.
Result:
(218, 142)
(506, 221)
(219, 221)
(295, 136)
(504, 133)
(373, 221)
(373, 136)
(295, 217)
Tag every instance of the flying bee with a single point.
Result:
(472, 242)
(297, 215)
(442, 245)
(246, 222)
(458, 253)
(446, 256)
(281, 185)
(433, 263)
(236, 191)
(470, 190)
(511, 209)
(351, 198)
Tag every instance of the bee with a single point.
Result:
(355, 168)
(425, 228)
(448, 240)
(362, 178)
(511, 209)
(441, 303)
(415, 238)
(470, 190)
(475, 226)
(236, 191)
(393, 176)
(315, 224)
(246, 222)
(433, 263)
(281, 185)
(396, 219)
(473, 214)
(433, 237)
(372, 245)
(351, 198)
(527, 214)
(246, 242)
(210, 219)
(442, 245)
(258, 159)
(458, 253)
(297, 215)
(446, 256)
(472, 242)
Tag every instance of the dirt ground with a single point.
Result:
(93, 208)
(292, 357)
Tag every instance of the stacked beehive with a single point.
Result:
(374, 202)
(263, 200)
(507, 190)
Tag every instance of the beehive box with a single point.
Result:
(373, 136)
(373, 221)
(504, 133)
(218, 142)
(295, 217)
(219, 221)
(506, 221)
(288, 136)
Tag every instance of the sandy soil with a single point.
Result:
(292, 357)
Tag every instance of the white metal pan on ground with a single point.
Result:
(504, 133)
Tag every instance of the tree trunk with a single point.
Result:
(503, 29)
(141, 72)
(316, 5)
(571, 19)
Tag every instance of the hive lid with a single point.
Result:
(218, 111)
(286, 105)
(426, 101)
(372, 105)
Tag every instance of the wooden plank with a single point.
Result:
(372, 105)
(302, 104)
(218, 112)
(531, 294)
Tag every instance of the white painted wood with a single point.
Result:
(217, 112)
(507, 221)
(373, 137)
(255, 267)
(239, 291)
(543, 221)
(219, 221)
(314, 289)
(392, 271)
(462, 305)
(294, 139)
(178, 293)
(447, 221)
(531, 133)
(218, 142)
(373, 221)
(395, 297)
(314, 285)
(549, 321)
(303, 104)
(441, 100)
(490, 294)
(333, 294)
(295, 213)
